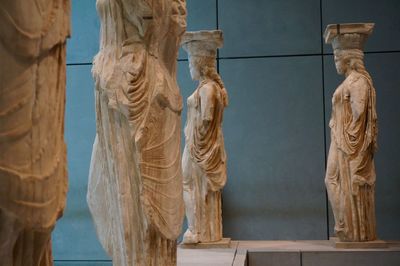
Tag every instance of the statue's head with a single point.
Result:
(348, 44)
(348, 59)
(201, 47)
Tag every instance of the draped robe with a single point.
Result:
(204, 159)
(135, 180)
(33, 177)
(350, 177)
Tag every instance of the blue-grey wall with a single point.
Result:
(280, 78)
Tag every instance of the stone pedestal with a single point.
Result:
(316, 253)
(356, 245)
(223, 243)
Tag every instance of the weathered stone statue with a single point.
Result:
(350, 175)
(33, 177)
(204, 159)
(135, 181)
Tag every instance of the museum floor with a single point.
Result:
(280, 253)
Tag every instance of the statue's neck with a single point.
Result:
(349, 72)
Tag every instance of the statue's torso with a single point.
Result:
(32, 27)
(205, 146)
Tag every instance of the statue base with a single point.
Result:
(376, 244)
(223, 243)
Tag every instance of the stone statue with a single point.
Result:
(350, 175)
(33, 176)
(135, 180)
(204, 158)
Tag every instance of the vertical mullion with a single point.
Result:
(324, 114)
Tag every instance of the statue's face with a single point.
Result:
(178, 15)
(340, 63)
(194, 68)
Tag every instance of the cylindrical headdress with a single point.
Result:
(348, 36)
(202, 43)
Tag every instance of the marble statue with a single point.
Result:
(204, 158)
(135, 180)
(350, 175)
(33, 176)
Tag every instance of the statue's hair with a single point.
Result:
(207, 68)
(355, 60)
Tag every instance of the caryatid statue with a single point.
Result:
(204, 158)
(350, 175)
(33, 176)
(135, 182)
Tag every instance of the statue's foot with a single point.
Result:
(190, 238)
(341, 234)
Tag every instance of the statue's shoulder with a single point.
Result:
(358, 83)
(29, 28)
(356, 77)
(209, 86)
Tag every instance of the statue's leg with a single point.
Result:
(23, 247)
(9, 232)
(211, 228)
(46, 258)
(33, 248)
(364, 196)
(189, 197)
(159, 250)
(332, 182)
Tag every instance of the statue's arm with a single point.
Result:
(358, 98)
(207, 100)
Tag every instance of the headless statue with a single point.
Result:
(135, 179)
(33, 176)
